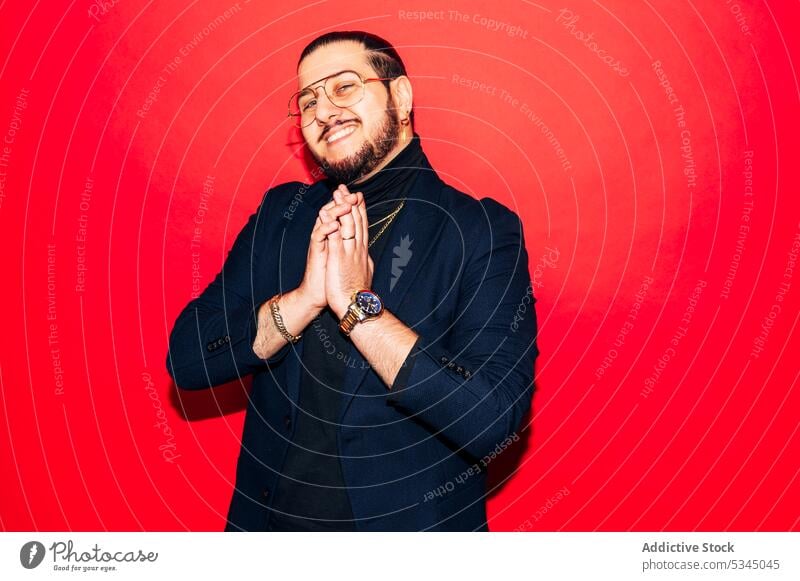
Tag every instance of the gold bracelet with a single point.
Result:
(276, 317)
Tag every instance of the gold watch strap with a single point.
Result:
(349, 320)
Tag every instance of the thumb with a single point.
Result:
(335, 241)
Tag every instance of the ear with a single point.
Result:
(403, 96)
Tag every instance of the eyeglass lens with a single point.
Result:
(343, 90)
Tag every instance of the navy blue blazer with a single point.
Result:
(455, 270)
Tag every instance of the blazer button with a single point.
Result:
(288, 421)
(265, 492)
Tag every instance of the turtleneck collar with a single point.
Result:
(383, 191)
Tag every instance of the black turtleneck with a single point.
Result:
(311, 494)
(384, 190)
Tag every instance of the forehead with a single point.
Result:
(331, 59)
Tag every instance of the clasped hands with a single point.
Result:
(338, 261)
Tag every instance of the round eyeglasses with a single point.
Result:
(343, 89)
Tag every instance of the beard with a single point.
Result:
(369, 156)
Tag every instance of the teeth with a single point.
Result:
(341, 133)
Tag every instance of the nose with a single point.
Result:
(325, 109)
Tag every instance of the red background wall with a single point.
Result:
(654, 425)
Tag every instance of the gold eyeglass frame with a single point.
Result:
(324, 81)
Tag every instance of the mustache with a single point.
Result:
(336, 125)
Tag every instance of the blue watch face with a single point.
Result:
(369, 302)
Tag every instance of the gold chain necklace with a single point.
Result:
(376, 222)
(390, 217)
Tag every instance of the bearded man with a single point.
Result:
(386, 317)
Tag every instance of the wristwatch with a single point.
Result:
(366, 306)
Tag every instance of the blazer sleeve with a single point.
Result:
(474, 388)
(212, 340)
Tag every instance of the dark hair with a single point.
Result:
(381, 55)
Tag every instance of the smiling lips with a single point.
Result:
(340, 134)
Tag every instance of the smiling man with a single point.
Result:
(387, 320)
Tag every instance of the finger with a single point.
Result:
(335, 201)
(362, 211)
(338, 210)
(315, 230)
(335, 212)
(335, 242)
(345, 195)
(322, 231)
(358, 227)
(327, 216)
(338, 194)
(348, 228)
(344, 211)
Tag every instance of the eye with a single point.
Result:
(344, 88)
(308, 105)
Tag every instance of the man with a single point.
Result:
(386, 327)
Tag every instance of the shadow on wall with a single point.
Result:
(201, 404)
(502, 468)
